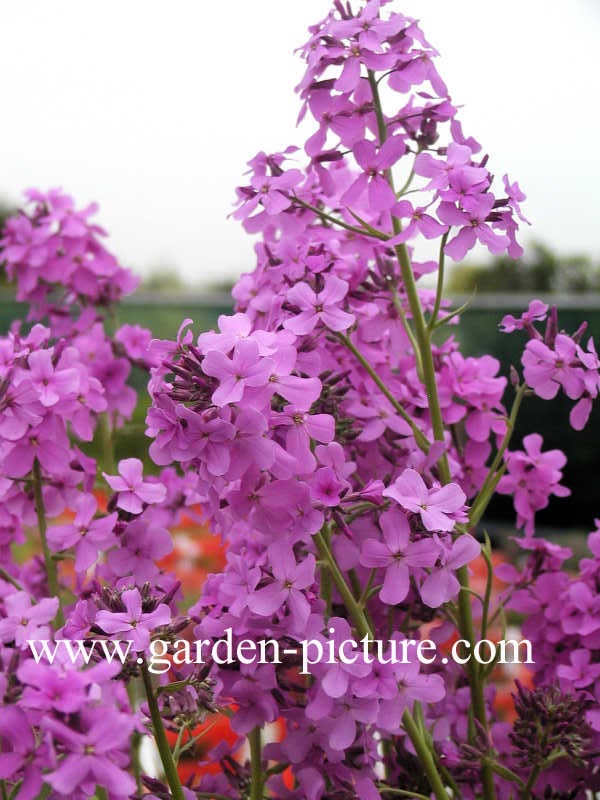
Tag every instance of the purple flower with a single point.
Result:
(141, 546)
(24, 621)
(442, 585)
(52, 384)
(88, 536)
(546, 369)
(137, 624)
(245, 368)
(131, 488)
(93, 756)
(374, 163)
(291, 581)
(473, 227)
(536, 312)
(320, 306)
(440, 508)
(397, 555)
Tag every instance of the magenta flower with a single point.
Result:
(536, 312)
(397, 555)
(52, 384)
(374, 162)
(245, 368)
(26, 621)
(270, 191)
(88, 536)
(93, 756)
(47, 442)
(135, 340)
(131, 488)
(546, 370)
(320, 306)
(133, 623)
(473, 226)
(440, 508)
(442, 585)
(291, 581)
(18, 760)
(302, 428)
(532, 477)
(458, 159)
(141, 546)
(419, 222)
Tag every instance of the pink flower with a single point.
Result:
(474, 227)
(52, 384)
(536, 312)
(397, 554)
(442, 585)
(88, 536)
(132, 490)
(374, 162)
(546, 369)
(245, 368)
(25, 620)
(291, 579)
(134, 621)
(320, 306)
(440, 508)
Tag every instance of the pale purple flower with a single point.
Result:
(291, 581)
(397, 555)
(546, 369)
(245, 368)
(25, 621)
(133, 624)
(323, 306)
(442, 585)
(440, 508)
(141, 546)
(374, 163)
(132, 490)
(93, 756)
(473, 227)
(88, 536)
(536, 312)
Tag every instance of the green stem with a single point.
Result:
(256, 773)
(160, 737)
(6, 576)
(136, 740)
(425, 756)
(337, 221)
(106, 444)
(51, 571)
(440, 282)
(423, 336)
(526, 793)
(363, 629)
(420, 437)
(352, 604)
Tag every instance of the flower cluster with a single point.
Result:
(343, 450)
(558, 361)
(63, 389)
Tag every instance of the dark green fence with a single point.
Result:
(478, 334)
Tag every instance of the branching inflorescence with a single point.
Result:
(340, 444)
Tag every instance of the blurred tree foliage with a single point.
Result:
(163, 280)
(540, 270)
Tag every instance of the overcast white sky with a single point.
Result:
(153, 107)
